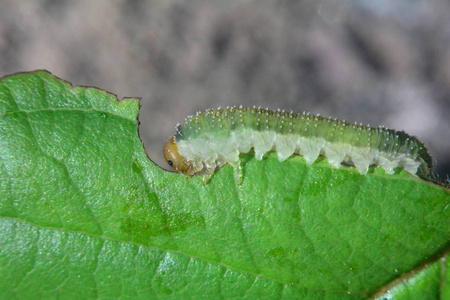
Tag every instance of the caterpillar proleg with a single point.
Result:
(209, 140)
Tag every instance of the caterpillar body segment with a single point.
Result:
(209, 140)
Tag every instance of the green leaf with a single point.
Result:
(85, 214)
(430, 282)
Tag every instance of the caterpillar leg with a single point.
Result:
(209, 172)
(237, 170)
(206, 178)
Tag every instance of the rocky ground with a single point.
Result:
(378, 62)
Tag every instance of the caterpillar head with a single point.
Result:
(174, 158)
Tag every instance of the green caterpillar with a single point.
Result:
(212, 139)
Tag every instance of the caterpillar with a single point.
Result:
(209, 140)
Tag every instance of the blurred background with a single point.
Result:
(379, 62)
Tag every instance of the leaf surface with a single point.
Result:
(85, 214)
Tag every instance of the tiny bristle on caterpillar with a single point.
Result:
(216, 137)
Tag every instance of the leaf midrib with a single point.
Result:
(189, 256)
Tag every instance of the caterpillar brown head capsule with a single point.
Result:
(174, 158)
(216, 137)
